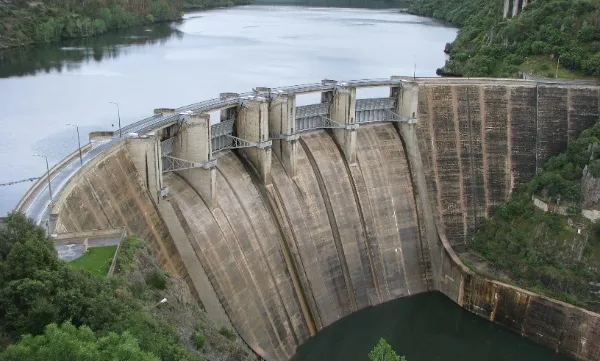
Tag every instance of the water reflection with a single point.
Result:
(366, 4)
(70, 55)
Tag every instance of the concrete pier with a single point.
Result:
(252, 125)
(192, 143)
(342, 109)
(147, 158)
(282, 126)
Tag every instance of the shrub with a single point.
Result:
(230, 334)
(198, 340)
(157, 279)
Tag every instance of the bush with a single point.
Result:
(157, 279)
(198, 340)
(228, 333)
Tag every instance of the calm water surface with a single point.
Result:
(168, 65)
(426, 327)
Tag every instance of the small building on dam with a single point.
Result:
(285, 218)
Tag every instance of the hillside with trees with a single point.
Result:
(545, 34)
(554, 252)
(24, 22)
(51, 310)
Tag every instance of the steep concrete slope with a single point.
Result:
(238, 245)
(291, 257)
(480, 142)
(109, 193)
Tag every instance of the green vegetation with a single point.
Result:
(107, 318)
(69, 343)
(199, 340)
(96, 260)
(157, 279)
(384, 352)
(534, 41)
(23, 22)
(228, 333)
(542, 251)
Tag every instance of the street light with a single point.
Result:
(164, 300)
(47, 176)
(119, 115)
(79, 143)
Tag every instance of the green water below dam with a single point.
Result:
(424, 327)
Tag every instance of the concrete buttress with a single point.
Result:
(282, 127)
(252, 125)
(342, 109)
(147, 158)
(192, 143)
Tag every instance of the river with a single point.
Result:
(42, 88)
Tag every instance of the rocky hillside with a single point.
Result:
(550, 247)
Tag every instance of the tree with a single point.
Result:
(69, 343)
(384, 352)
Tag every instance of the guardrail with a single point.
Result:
(42, 181)
(146, 125)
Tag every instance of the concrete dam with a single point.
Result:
(285, 218)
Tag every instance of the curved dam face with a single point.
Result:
(293, 257)
(286, 218)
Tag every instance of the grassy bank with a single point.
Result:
(546, 33)
(96, 260)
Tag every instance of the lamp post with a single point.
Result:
(78, 143)
(47, 176)
(164, 300)
(119, 115)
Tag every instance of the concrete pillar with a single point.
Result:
(252, 124)
(515, 9)
(407, 100)
(146, 155)
(228, 113)
(342, 110)
(192, 143)
(506, 8)
(282, 125)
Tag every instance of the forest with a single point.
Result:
(52, 310)
(547, 35)
(23, 22)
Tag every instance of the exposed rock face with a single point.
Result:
(590, 189)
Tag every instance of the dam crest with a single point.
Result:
(285, 218)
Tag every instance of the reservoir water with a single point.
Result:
(42, 88)
(425, 327)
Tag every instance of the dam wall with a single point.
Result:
(296, 255)
(479, 142)
(109, 193)
(562, 327)
(290, 218)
